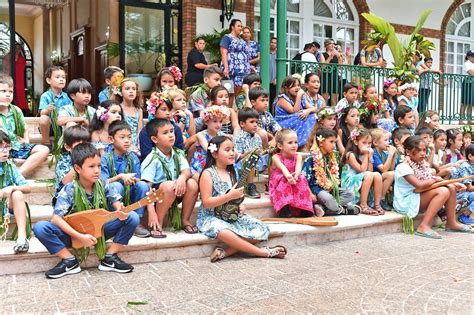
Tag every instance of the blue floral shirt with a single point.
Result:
(65, 201)
(267, 122)
(120, 163)
(63, 167)
(104, 95)
(13, 179)
(466, 169)
(49, 97)
(245, 142)
(152, 169)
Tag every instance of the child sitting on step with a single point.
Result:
(113, 75)
(321, 169)
(52, 100)
(13, 123)
(64, 171)
(79, 112)
(217, 187)
(267, 124)
(86, 192)
(107, 112)
(166, 168)
(288, 188)
(121, 167)
(12, 201)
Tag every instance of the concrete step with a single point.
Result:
(179, 245)
(43, 171)
(41, 192)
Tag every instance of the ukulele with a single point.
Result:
(230, 211)
(92, 221)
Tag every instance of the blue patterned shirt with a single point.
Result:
(63, 167)
(120, 163)
(71, 111)
(267, 122)
(65, 201)
(466, 169)
(13, 179)
(104, 95)
(198, 100)
(245, 142)
(152, 169)
(49, 97)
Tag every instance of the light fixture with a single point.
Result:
(227, 10)
(52, 3)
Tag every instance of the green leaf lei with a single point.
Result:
(81, 204)
(57, 135)
(20, 128)
(128, 169)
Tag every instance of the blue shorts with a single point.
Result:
(23, 151)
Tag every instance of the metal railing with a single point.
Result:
(443, 93)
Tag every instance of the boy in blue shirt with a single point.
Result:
(167, 168)
(90, 190)
(53, 99)
(121, 168)
(112, 75)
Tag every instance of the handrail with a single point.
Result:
(443, 93)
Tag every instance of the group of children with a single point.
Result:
(366, 157)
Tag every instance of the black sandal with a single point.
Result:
(157, 234)
(189, 229)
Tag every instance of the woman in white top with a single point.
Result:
(467, 90)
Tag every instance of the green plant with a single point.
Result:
(139, 51)
(213, 44)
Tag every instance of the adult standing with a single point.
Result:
(426, 82)
(467, 89)
(372, 57)
(273, 70)
(235, 61)
(196, 63)
(253, 49)
(329, 76)
(308, 56)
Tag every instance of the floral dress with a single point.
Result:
(199, 158)
(253, 50)
(283, 193)
(132, 121)
(246, 226)
(351, 180)
(286, 120)
(237, 58)
(316, 103)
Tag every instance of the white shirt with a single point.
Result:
(468, 65)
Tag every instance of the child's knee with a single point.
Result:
(142, 187)
(44, 120)
(133, 219)
(41, 228)
(192, 186)
(17, 196)
(41, 149)
(167, 187)
(369, 176)
(118, 187)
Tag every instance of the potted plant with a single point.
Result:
(141, 55)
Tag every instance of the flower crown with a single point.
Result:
(355, 133)
(408, 85)
(176, 72)
(388, 82)
(371, 106)
(116, 85)
(156, 100)
(297, 76)
(325, 112)
(102, 113)
(215, 111)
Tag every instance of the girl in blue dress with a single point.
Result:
(217, 187)
(292, 112)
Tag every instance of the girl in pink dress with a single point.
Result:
(288, 189)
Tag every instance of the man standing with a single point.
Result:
(273, 70)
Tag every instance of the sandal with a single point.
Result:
(275, 252)
(21, 247)
(379, 209)
(157, 234)
(318, 211)
(217, 254)
(369, 211)
(189, 229)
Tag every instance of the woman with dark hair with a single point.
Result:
(253, 49)
(235, 60)
(196, 63)
(467, 89)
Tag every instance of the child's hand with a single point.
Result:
(392, 150)
(304, 113)
(179, 187)
(236, 193)
(122, 216)
(128, 179)
(291, 180)
(51, 107)
(437, 179)
(153, 223)
(88, 240)
(365, 150)
(460, 187)
(300, 93)
(241, 210)
(245, 88)
(84, 122)
(180, 113)
(6, 192)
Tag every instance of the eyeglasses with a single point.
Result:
(5, 147)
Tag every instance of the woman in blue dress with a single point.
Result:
(235, 60)
(291, 111)
(253, 50)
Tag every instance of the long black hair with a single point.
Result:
(352, 147)
(346, 134)
(211, 161)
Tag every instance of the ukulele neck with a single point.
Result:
(130, 208)
(243, 177)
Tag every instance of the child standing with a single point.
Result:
(122, 170)
(93, 193)
(13, 123)
(268, 126)
(351, 95)
(217, 188)
(415, 173)
(166, 167)
(246, 141)
(220, 96)
(384, 161)
(322, 172)
(64, 168)
(13, 186)
(79, 112)
(357, 172)
(113, 76)
(52, 100)
(453, 152)
(288, 188)
(108, 112)
(212, 117)
(132, 104)
(404, 117)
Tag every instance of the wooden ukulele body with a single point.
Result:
(88, 222)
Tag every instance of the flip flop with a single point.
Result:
(465, 229)
(189, 229)
(430, 234)
(157, 234)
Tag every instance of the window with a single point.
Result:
(292, 38)
(256, 28)
(459, 37)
